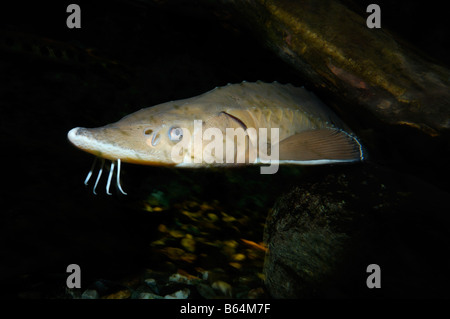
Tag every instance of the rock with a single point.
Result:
(206, 291)
(175, 253)
(235, 265)
(256, 293)
(122, 294)
(90, 294)
(245, 280)
(223, 287)
(151, 283)
(184, 279)
(227, 218)
(213, 217)
(162, 228)
(238, 257)
(176, 233)
(188, 243)
(180, 294)
(204, 273)
(229, 247)
(323, 234)
(149, 295)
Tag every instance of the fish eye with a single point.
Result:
(175, 134)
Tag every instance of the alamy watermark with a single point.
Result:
(208, 146)
(74, 19)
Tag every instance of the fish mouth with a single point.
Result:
(82, 138)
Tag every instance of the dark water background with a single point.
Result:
(49, 219)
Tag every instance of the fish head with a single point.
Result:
(146, 137)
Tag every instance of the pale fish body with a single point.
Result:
(309, 132)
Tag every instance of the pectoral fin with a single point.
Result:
(320, 147)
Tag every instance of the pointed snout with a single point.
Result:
(72, 135)
(84, 139)
(105, 142)
(77, 136)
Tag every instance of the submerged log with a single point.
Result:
(332, 47)
(324, 233)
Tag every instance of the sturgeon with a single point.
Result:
(307, 131)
